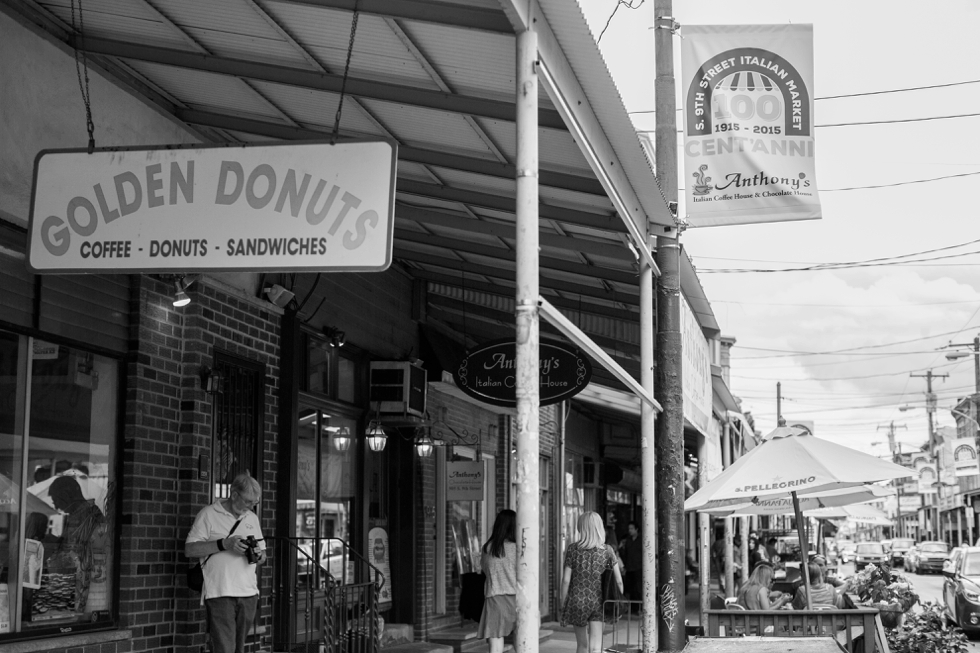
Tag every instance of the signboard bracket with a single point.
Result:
(576, 335)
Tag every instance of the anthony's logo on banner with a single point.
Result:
(748, 124)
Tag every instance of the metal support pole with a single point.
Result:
(704, 583)
(744, 546)
(648, 456)
(669, 498)
(528, 385)
(729, 569)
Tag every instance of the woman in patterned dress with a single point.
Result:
(581, 582)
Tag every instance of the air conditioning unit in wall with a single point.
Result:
(398, 387)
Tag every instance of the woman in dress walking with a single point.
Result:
(500, 566)
(581, 586)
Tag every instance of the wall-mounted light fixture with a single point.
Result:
(211, 382)
(424, 446)
(336, 337)
(376, 437)
(342, 440)
(180, 283)
(278, 295)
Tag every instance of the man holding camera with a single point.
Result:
(227, 537)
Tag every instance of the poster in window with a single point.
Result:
(33, 563)
(378, 546)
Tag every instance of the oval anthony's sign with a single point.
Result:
(489, 373)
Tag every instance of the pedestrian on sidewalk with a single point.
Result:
(500, 566)
(632, 547)
(581, 584)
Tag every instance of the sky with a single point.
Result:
(894, 319)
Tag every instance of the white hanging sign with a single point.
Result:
(965, 460)
(464, 480)
(292, 206)
(927, 479)
(748, 124)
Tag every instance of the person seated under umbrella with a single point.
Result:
(822, 594)
(828, 577)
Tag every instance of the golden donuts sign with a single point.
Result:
(306, 206)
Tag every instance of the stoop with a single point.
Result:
(463, 640)
(418, 647)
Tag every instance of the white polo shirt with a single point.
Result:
(226, 574)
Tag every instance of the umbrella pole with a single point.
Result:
(804, 549)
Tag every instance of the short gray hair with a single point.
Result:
(245, 484)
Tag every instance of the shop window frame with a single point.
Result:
(115, 501)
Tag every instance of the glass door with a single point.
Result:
(325, 490)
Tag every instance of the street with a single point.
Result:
(929, 587)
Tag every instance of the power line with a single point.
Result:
(842, 266)
(849, 349)
(628, 5)
(866, 93)
(748, 260)
(900, 183)
(899, 120)
(840, 378)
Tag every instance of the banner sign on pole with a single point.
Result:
(292, 206)
(919, 459)
(965, 459)
(927, 479)
(748, 124)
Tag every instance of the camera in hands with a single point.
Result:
(252, 549)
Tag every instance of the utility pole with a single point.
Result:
(665, 624)
(897, 459)
(930, 409)
(779, 404)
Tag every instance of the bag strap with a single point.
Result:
(229, 535)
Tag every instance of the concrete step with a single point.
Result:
(418, 647)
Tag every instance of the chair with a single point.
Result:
(731, 603)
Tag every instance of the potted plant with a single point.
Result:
(881, 588)
(925, 632)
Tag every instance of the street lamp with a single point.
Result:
(956, 355)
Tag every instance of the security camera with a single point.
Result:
(278, 295)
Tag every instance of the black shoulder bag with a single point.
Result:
(195, 573)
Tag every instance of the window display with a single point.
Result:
(58, 429)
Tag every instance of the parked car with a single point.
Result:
(961, 590)
(900, 547)
(868, 553)
(845, 550)
(931, 557)
(954, 557)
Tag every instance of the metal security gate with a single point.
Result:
(239, 414)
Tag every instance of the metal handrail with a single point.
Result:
(379, 575)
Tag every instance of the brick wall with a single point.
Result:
(167, 427)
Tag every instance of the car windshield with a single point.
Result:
(902, 544)
(934, 547)
(870, 547)
(971, 564)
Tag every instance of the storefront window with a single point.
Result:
(58, 429)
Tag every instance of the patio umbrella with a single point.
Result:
(91, 488)
(860, 513)
(827, 499)
(792, 462)
(10, 494)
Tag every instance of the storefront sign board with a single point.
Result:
(489, 373)
(748, 124)
(464, 480)
(927, 479)
(965, 460)
(294, 206)
(695, 371)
